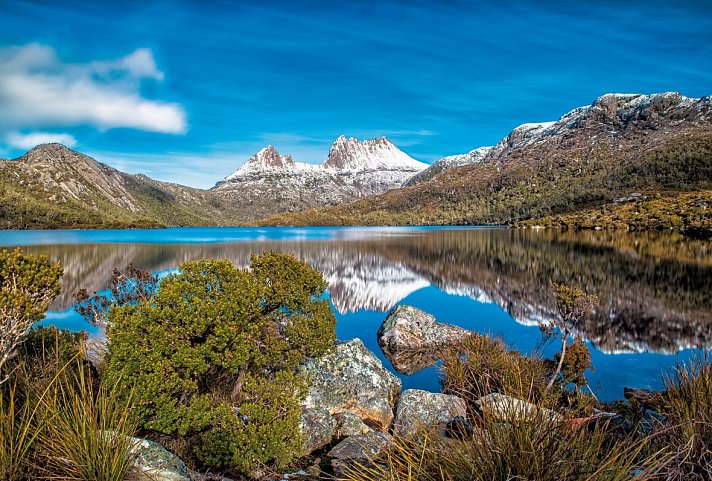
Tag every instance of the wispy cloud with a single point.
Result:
(27, 141)
(38, 90)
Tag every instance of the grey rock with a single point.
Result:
(318, 427)
(361, 449)
(642, 397)
(349, 424)
(351, 379)
(419, 410)
(157, 463)
(459, 428)
(506, 408)
(411, 339)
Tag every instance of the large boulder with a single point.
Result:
(361, 449)
(157, 463)
(412, 339)
(506, 408)
(349, 424)
(418, 410)
(318, 427)
(351, 379)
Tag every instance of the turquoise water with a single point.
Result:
(655, 290)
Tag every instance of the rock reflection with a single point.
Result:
(655, 289)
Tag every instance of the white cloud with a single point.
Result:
(38, 90)
(138, 64)
(28, 141)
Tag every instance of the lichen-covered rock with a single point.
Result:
(318, 427)
(157, 463)
(419, 410)
(507, 408)
(360, 449)
(208, 477)
(351, 379)
(349, 424)
(411, 339)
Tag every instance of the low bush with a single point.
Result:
(212, 357)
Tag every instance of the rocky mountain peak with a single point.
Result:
(472, 157)
(608, 116)
(375, 154)
(53, 153)
(269, 157)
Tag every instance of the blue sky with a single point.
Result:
(187, 91)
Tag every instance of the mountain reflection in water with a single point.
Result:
(655, 289)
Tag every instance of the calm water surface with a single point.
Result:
(655, 289)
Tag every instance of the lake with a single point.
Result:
(655, 289)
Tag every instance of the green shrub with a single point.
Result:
(574, 306)
(28, 285)
(212, 356)
(575, 364)
(47, 351)
(127, 287)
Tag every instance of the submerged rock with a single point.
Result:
(349, 380)
(506, 408)
(360, 449)
(411, 339)
(645, 398)
(419, 410)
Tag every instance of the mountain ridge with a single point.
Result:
(270, 182)
(618, 145)
(53, 186)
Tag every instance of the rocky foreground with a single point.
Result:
(355, 407)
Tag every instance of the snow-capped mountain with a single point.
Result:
(610, 116)
(270, 182)
(370, 155)
(267, 159)
(606, 117)
(472, 157)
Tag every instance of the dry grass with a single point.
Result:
(540, 449)
(86, 439)
(483, 365)
(686, 404)
(59, 426)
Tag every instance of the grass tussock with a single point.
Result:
(61, 425)
(17, 434)
(686, 405)
(675, 446)
(87, 438)
(541, 449)
(484, 365)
